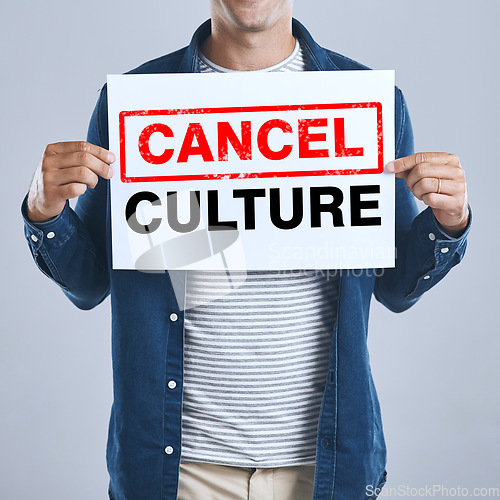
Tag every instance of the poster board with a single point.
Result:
(252, 171)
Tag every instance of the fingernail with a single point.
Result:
(111, 157)
(110, 173)
(390, 167)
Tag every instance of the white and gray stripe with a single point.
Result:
(256, 359)
(294, 62)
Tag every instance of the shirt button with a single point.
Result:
(34, 238)
(174, 317)
(172, 384)
(169, 450)
(51, 235)
(445, 250)
(432, 236)
(426, 277)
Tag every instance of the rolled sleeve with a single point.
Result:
(445, 251)
(63, 250)
(46, 239)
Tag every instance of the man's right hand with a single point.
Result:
(65, 171)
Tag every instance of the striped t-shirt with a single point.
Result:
(294, 62)
(256, 358)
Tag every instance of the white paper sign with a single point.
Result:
(252, 170)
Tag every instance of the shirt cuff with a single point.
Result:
(51, 233)
(445, 235)
(443, 245)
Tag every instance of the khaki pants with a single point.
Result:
(199, 481)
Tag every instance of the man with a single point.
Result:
(158, 382)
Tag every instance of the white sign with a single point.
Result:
(252, 170)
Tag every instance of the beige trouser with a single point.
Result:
(199, 481)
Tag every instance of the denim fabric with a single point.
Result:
(147, 345)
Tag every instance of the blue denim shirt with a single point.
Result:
(144, 443)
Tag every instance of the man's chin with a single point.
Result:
(253, 23)
(252, 27)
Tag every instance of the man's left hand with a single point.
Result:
(439, 181)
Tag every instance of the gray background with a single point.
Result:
(436, 366)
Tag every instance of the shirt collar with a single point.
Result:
(316, 57)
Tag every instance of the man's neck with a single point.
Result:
(247, 50)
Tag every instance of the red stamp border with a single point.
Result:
(252, 109)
